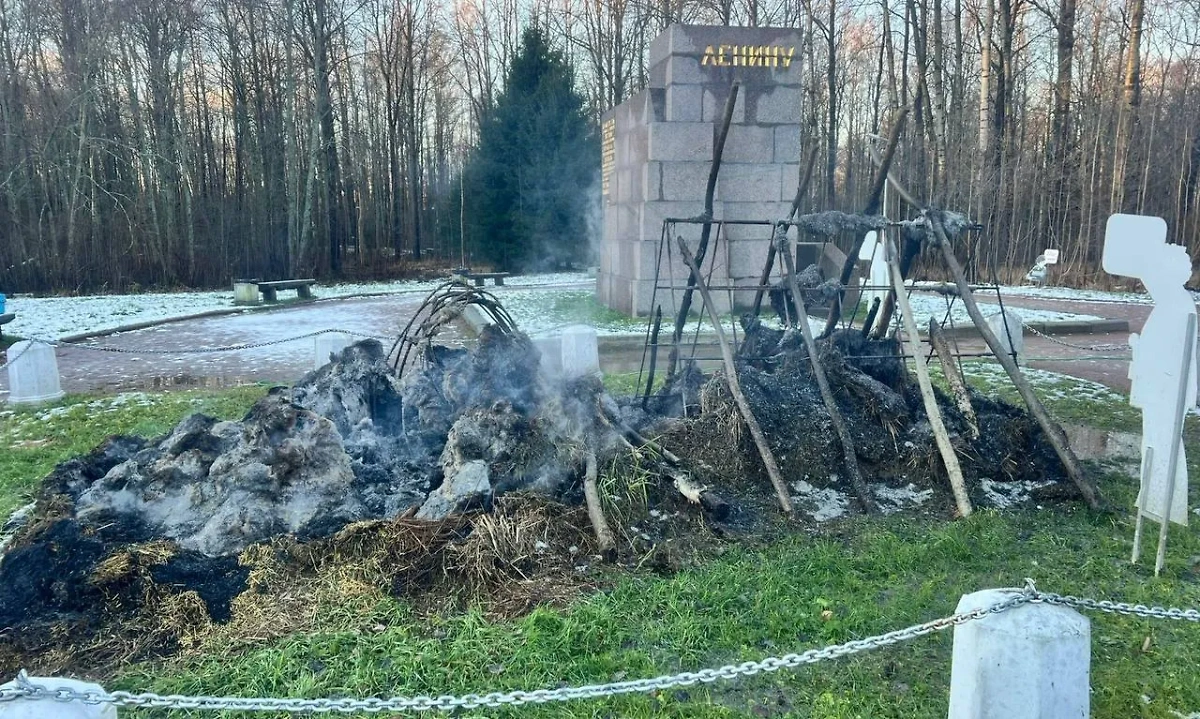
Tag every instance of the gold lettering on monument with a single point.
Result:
(748, 56)
(608, 152)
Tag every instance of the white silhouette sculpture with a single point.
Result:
(1162, 372)
(878, 277)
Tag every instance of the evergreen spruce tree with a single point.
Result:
(533, 180)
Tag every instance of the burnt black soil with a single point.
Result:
(217, 580)
(882, 408)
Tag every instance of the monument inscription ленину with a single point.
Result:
(657, 149)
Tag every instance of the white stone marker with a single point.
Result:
(879, 275)
(1162, 373)
(550, 347)
(580, 351)
(245, 293)
(32, 373)
(49, 709)
(328, 344)
(1030, 662)
(1011, 339)
(569, 353)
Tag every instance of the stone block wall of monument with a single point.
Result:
(658, 149)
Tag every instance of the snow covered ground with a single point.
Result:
(55, 317)
(537, 302)
(926, 305)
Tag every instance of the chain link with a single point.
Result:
(1088, 348)
(1133, 610)
(29, 690)
(10, 360)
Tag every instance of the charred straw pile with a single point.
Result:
(424, 469)
(882, 407)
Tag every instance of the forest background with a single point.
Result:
(168, 143)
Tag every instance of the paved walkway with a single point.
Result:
(1074, 354)
(83, 369)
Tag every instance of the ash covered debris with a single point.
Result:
(349, 442)
(355, 451)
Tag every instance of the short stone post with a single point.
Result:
(550, 347)
(580, 351)
(51, 709)
(1029, 662)
(1011, 337)
(328, 344)
(245, 293)
(32, 373)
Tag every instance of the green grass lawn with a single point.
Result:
(738, 602)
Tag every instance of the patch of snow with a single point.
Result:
(55, 317)
(821, 504)
(895, 499)
(1003, 495)
(1069, 293)
(926, 305)
(1053, 385)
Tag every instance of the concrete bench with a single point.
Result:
(5, 319)
(270, 290)
(479, 278)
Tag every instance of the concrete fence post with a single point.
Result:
(33, 373)
(1030, 662)
(50, 709)
(327, 345)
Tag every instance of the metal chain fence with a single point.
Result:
(190, 350)
(1112, 347)
(27, 689)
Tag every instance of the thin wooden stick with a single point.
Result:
(1147, 463)
(932, 411)
(1189, 345)
(954, 378)
(835, 415)
(797, 200)
(1054, 433)
(685, 303)
(591, 495)
(710, 501)
(735, 386)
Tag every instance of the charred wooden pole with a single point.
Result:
(870, 318)
(954, 378)
(591, 495)
(801, 191)
(735, 386)
(874, 200)
(653, 354)
(835, 415)
(932, 411)
(1054, 433)
(685, 303)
